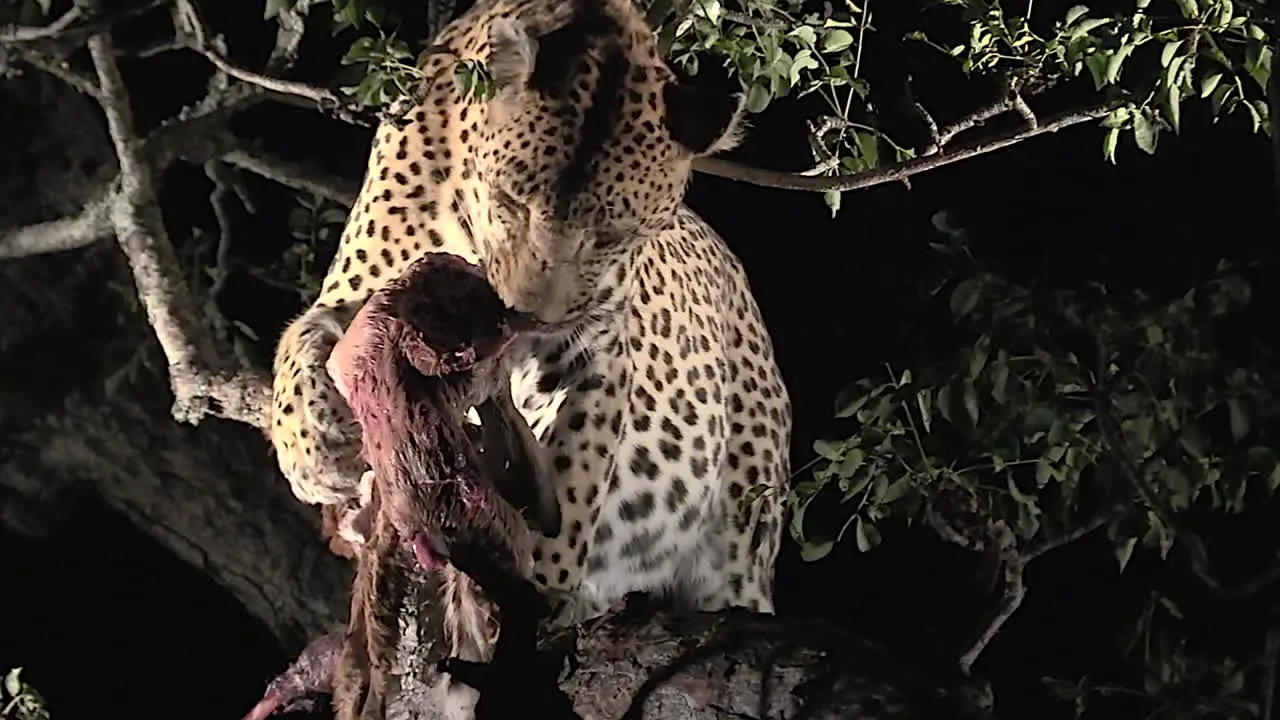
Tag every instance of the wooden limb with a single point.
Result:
(895, 173)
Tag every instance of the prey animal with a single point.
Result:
(423, 350)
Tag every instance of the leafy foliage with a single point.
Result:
(1150, 58)
(1063, 410)
(1176, 680)
(20, 701)
(1206, 49)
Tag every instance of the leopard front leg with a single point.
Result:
(316, 439)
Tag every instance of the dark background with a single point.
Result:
(106, 621)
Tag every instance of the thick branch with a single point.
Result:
(711, 666)
(139, 227)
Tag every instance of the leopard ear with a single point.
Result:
(512, 51)
(704, 122)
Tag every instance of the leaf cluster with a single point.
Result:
(20, 701)
(1154, 54)
(1055, 412)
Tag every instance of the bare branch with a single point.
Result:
(1013, 593)
(139, 228)
(296, 176)
(894, 173)
(285, 50)
(288, 38)
(58, 68)
(73, 24)
(1045, 546)
(22, 33)
(68, 233)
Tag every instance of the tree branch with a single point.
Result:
(288, 37)
(194, 372)
(295, 175)
(72, 24)
(796, 181)
(23, 33)
(67, 233)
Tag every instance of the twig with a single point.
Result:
(291, 27)
(286, 46)
(1064, 539)
(894, 173)
(73, 24)
(55, 67)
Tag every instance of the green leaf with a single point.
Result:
(1000, 377)
(273, 7)
(1173, 102)
(869, 148)
(1074, 14)
(828, 449)
(835, 40)
(758, 98)
(13, 682)
(1189, 9)
(1124, 551)
(1145, 133)
(971, 402)
(1116, 62)
(1109, 143)
(866, 535)
(1097, 64)
(964, 298)
(804, 34)
(853, 459)
(1239, 418)
(1087, 26)
(832, 199)
(1209, 83)
(1166, 55)
(812, 551)
(1179, 487)
(978, 356)
(1044, 472)
(850, 400)
(895, 490)
(359, 51)
(1117, 118)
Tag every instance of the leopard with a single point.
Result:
(658, 400)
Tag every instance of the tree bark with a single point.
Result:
(209, 494)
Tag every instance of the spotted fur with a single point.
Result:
(660, 405)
